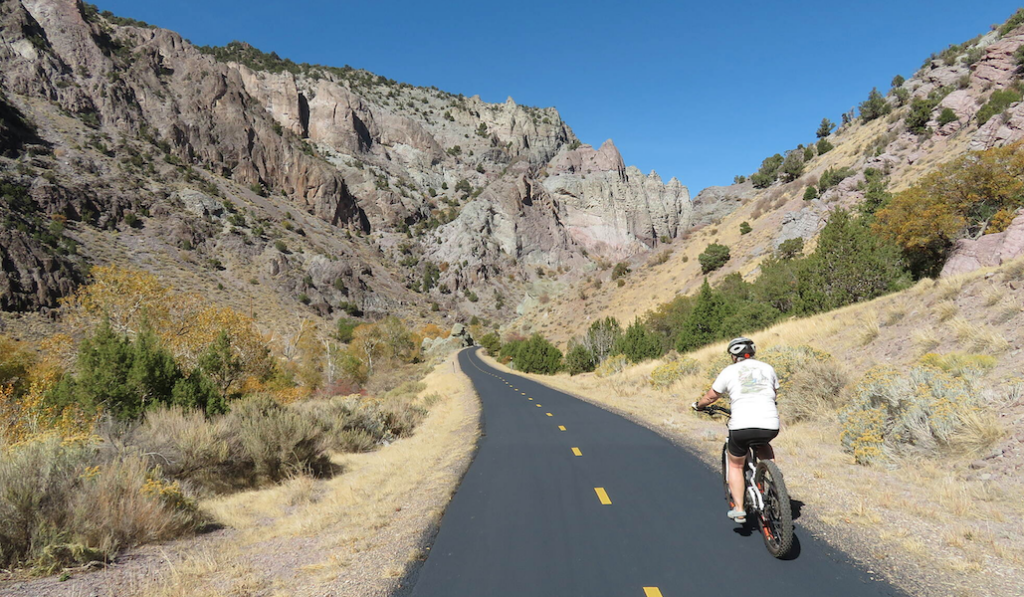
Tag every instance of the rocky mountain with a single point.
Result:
(966, 98)
(290, 189)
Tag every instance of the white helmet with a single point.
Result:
(742, 347)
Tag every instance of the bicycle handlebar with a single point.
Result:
(713, 408)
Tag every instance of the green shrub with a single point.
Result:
(920, 113)
(793, 166)
(833, 176)
(704, 322)
(713, 257)
(790, 248)
(902, 95)
(612, 365)
(745, 228)
(825, 128)
(762, 180)
(638, 343)
(620, 269)
(849, 265)
(898, 81)
(124, 378)
(823, 146)
(768, 172)
(947, 116)
(810, 193)
(510, 349)
(492, 343)
(998, 102)
(666, 374)
(281, 246)
(537, 355)
(578, 359)
(874, 107)
(1015, 20)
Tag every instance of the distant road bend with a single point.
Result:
(565, 499)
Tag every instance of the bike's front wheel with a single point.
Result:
(776, 519)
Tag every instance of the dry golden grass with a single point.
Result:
(993, 295)
(924, 340)
(895, 314)
(949, 288)
(400, 489)
(946, 310)
(869, 329)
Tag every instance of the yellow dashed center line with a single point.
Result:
(577, 452)
(539, 405)
(529, 398)
(523, 393)
(652, 592)
(549, 414)
(561, 427)
(603, 496)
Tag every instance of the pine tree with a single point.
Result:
(874, 107)
(702, 325)
(850, 264)
(639, 343)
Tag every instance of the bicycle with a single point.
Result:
(765, 495)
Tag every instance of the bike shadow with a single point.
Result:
(795, 506)
(750, 528)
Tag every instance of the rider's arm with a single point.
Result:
(708, 398)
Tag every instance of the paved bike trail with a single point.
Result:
(528, 519)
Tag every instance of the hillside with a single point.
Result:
(290, 190)
(939, 514)
(977, 81)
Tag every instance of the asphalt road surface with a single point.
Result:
(565, 499)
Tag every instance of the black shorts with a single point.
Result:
(741, 439)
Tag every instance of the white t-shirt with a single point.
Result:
(751, 386)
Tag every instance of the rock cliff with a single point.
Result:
(333, 187)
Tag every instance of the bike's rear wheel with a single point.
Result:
(776, 519)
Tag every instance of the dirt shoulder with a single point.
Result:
(932, 528)
(360, 534)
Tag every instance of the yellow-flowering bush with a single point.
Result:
(665, 375)
(611, 365)
(895, 412)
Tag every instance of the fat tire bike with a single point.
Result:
(764, 496)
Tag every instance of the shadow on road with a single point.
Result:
(795, 506)
(750, 528)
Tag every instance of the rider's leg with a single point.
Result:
(736, 480)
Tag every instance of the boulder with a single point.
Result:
(988, 251)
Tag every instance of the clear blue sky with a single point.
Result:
(697, 90)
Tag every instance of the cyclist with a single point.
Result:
(752, 386)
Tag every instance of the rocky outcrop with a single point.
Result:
(33, 277)
(987, 251)
(714, 203)
(611, 209)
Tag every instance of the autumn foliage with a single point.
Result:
(970, 196)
